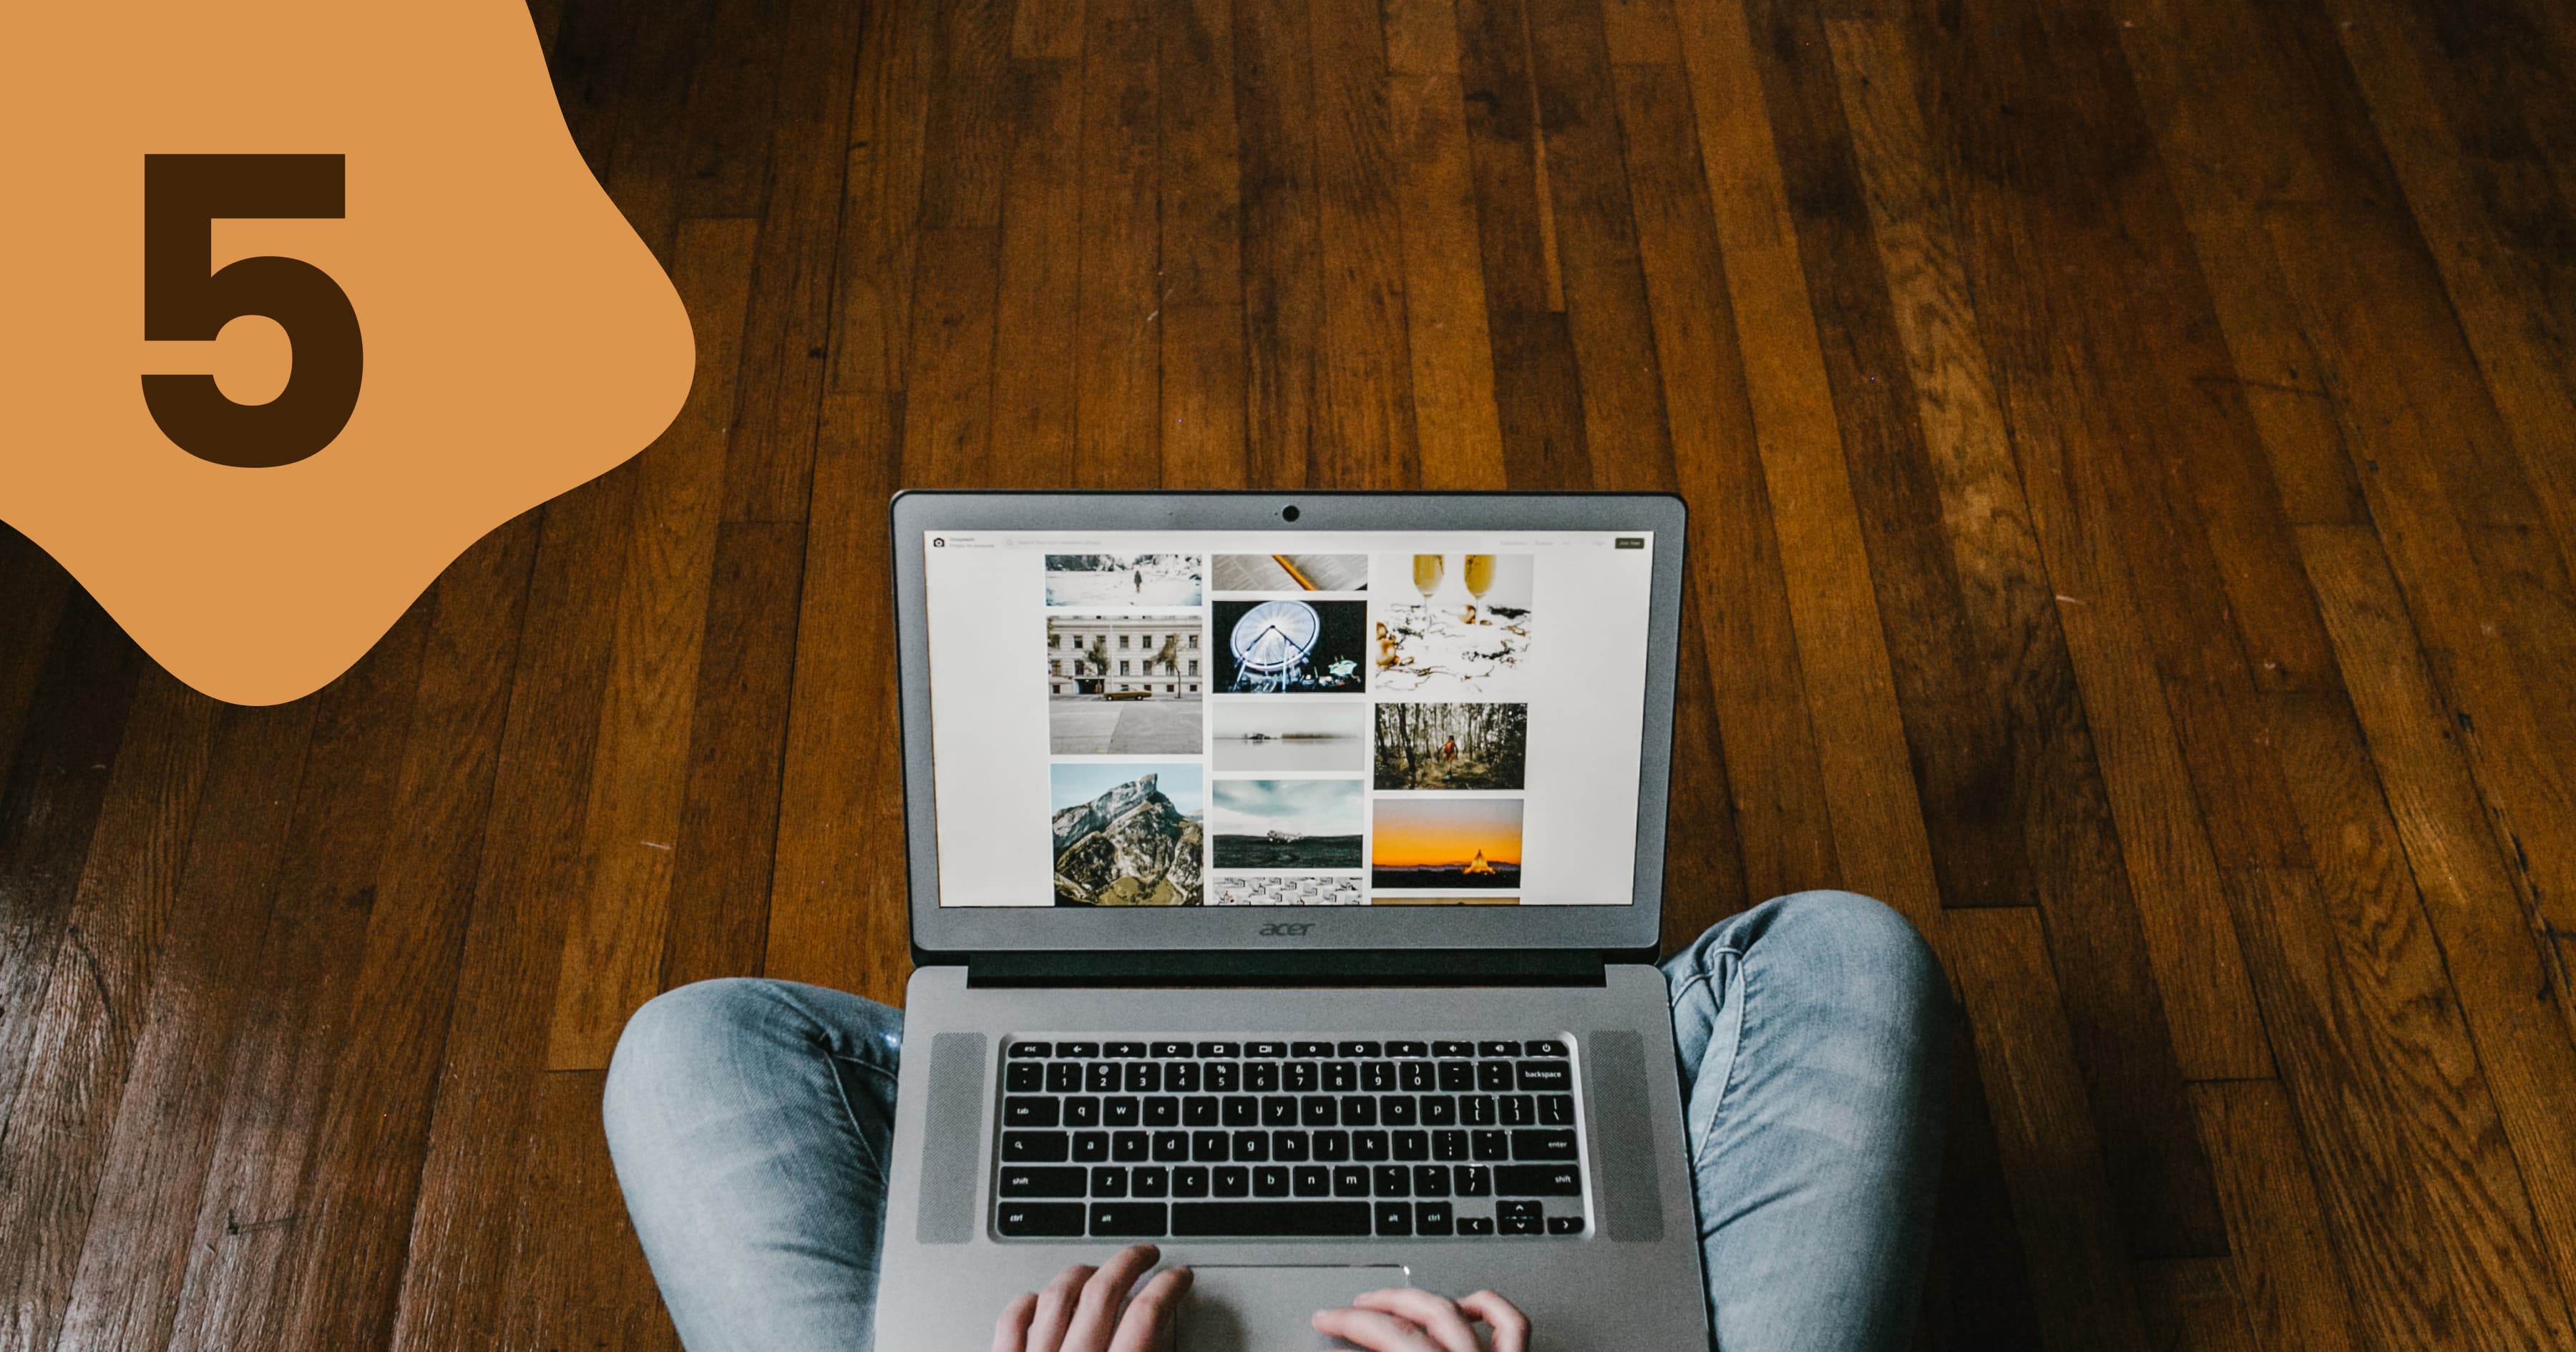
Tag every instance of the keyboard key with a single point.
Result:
(1288, 1147)
(1370, 1145)
(1216, 1049)
(1545, 1047)
(1270, 1180)
(1546, 1077)
(1122, 1111)
(1144, 1077)
(1439, 1110)
(1100, 1077)
(1400, 1050)
(1489, 1145)
(1431, 1218)
(1060, 1181)
(1453, 1049)
(1130, 1147)
(1167, 1050)
(1279, 1111)
(1565, 1225)
(1519, 1110)
(1293, 1219)
(1473, 1180)
(1332, 1146)
(1129, 1220)
(1477, 1110)
(1027, 1051)
(1359, 1110)
(1162, 1110)
(1450, 1145)
(1313, 1180)
(1190, 1182)
(1304, 1077)
(1520, 1218)
(1029, 1112)
(1360, 1050)
(1090, 1147)
(1542, 1145)
(1261, 1077)
(1149, 1180)
(1457, 1076)
(1109, 1181)
(1377, 1077)
(1350, 1180)
(1049, 1219)
(1034, 1147)
(1312, 1050)
(1413, 1145)
(1431, 1180)
(1126, 1049)
(1063, 1077)
(1077, 1051)
(1556, 1110)
(1171, 1147)
(1242, 1110)
(1392, 1180)
(1267, 1050)
(1493, 1077)
(1181, 1077)
(1538, 1180)
(1023, 1077)
(1233, 1180)
(1198, 1110)
(1082, 1112)
(1223, 1077)
(1341, 1077)
(1475, 1225)
(1415, 1076)
(1318, 1111)
(1498, 1049)
(1251, 1147)
(1394, 1218)
(1208, 1147)
(1396, 1110)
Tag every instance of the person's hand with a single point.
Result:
(1403, 1319)
(1080, 1311)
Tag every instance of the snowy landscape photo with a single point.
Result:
(1124, 579)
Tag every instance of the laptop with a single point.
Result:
(1286, 871)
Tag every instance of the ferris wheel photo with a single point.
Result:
(1290, 647)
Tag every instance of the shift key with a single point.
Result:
(1537, 1180)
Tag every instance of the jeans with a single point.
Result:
(750, 1122)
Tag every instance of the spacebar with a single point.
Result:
(1270, 1218)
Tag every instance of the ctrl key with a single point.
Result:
(1041, 1220)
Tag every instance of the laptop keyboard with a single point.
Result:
(1294, 1138)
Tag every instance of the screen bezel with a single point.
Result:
(956, 932)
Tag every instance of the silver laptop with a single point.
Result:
(1286, 871)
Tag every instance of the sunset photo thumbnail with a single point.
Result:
(1446, 842)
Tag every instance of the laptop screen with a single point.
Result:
(1287, 718)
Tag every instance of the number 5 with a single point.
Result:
(183, 195)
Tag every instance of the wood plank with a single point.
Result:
(872, 300)
(2053, 1161)
(786, 339)
(1421, 36)
(1704, 879)
(1047, 30)
(1364, 425)
(612, 951)
(733, 88)
(579, 1273)
(1202, 391)
(949, 372)
(281, 1081)
(2191, 1305)
(1977, 1284)
(2491, 935)
(1034, 408)
(1200, 188)
(90, 1012)
(2285, 1265)
(134, 1253)
(2018, 537)
(1456, 426)
(837, 903)
(1283, 299)
(1879, 841)
(728, 833)
(966, 141)
(1761, 705)
(643, 127)
(1118, 344)
(1640, 33)
(33, 592)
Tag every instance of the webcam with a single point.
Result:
(1288, 513)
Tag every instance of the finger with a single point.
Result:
(1011, 1331)
(1055, 1308)
(1147, 1325)
(1097, 1313)
(1511, 1327)
(1373, 1331)
(1438, 1316)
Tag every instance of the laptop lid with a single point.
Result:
(1208, 723)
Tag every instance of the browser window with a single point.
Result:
(1287, 718)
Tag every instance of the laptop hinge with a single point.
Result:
(1313, 967)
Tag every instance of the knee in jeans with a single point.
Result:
(668, 1043)
(1854, 945)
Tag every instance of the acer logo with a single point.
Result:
(1281, 929)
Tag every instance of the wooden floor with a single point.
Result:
(2132, 453)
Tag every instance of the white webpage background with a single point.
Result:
(1585, 684)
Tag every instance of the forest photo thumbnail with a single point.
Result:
(1452, 746)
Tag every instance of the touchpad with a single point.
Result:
(1266, 1309)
